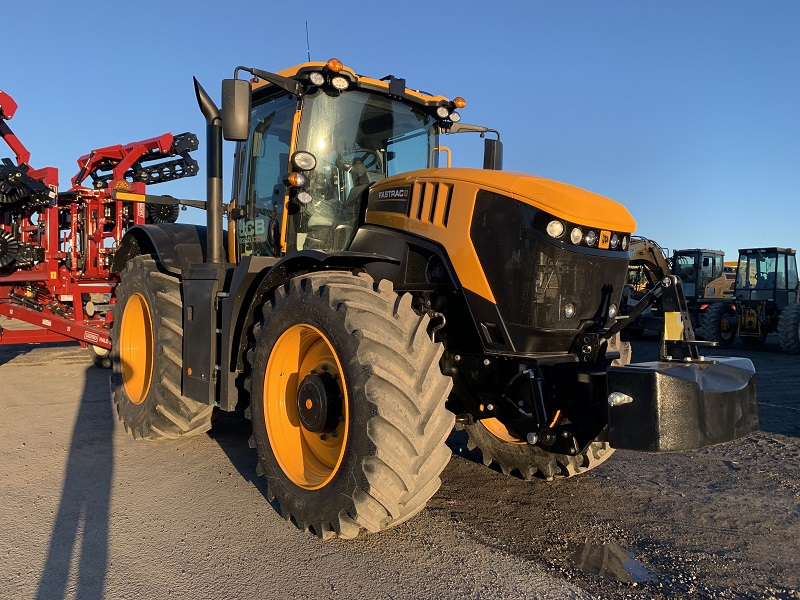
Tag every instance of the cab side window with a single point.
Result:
(264, 164)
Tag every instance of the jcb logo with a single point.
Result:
(249, 228)
(605, 239)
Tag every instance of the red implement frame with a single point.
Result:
(60, 279)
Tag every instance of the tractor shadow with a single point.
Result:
(78, 553)
(232, 430)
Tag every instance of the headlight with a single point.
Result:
(624, 242)
(555, 228)
(591, 238)
(316, 78)
(614, 241)
(576, 235)
(612, 311)
(304, 161)
(340, 83)
(569, 310)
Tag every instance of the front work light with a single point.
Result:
(340, 83)
(442, 112)
(304, 161)
(555, 228)
(303, 197)
(569, 310)
(316, 78)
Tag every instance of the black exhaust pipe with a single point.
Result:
(215, 253)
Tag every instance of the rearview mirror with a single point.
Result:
(235, 109)
(492, 154)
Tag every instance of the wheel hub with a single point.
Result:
(319, 403)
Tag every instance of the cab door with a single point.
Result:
(262, 165)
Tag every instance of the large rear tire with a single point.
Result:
(789, 329)
(511, 454)
(146, 351)
(719, 326)
(347, 404)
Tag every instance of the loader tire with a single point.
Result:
(511, 454)
(101, 357)
(789, 329)
(146, 352)
(347, 404)
(718, 326)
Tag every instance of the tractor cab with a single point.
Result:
(313, 139)
(767, 275)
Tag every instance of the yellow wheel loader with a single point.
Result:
(367, 299)
(702, 272)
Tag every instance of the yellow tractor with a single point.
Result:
(367, 300)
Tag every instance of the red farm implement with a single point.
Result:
(56, 248)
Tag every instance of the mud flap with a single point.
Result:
(670, 406)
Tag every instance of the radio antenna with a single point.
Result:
(308, 46)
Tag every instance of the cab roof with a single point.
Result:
(389, 85)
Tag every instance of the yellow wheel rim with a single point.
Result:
(500, 431)
(309, 459)
(136, 348)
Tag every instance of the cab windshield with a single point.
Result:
(757, 271)
(358, 138)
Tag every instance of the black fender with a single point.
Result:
(252, 282)
(480, 329)
(176, 246)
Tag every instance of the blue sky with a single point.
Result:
(686, 112)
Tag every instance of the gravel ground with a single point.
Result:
(88, 513)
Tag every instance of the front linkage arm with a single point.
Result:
(677, 339)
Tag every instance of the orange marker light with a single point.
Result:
(297, 180)
(335, 65)
(459, 102)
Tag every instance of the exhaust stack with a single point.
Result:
(214, 252)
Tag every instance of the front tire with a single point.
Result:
(719, 326)
(511, 454)
(347, 404)
(789, 329)
(146, 353)
(101, 357)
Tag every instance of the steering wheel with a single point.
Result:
(369, 158)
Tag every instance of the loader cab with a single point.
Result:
(767, 275)
(696, 269)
